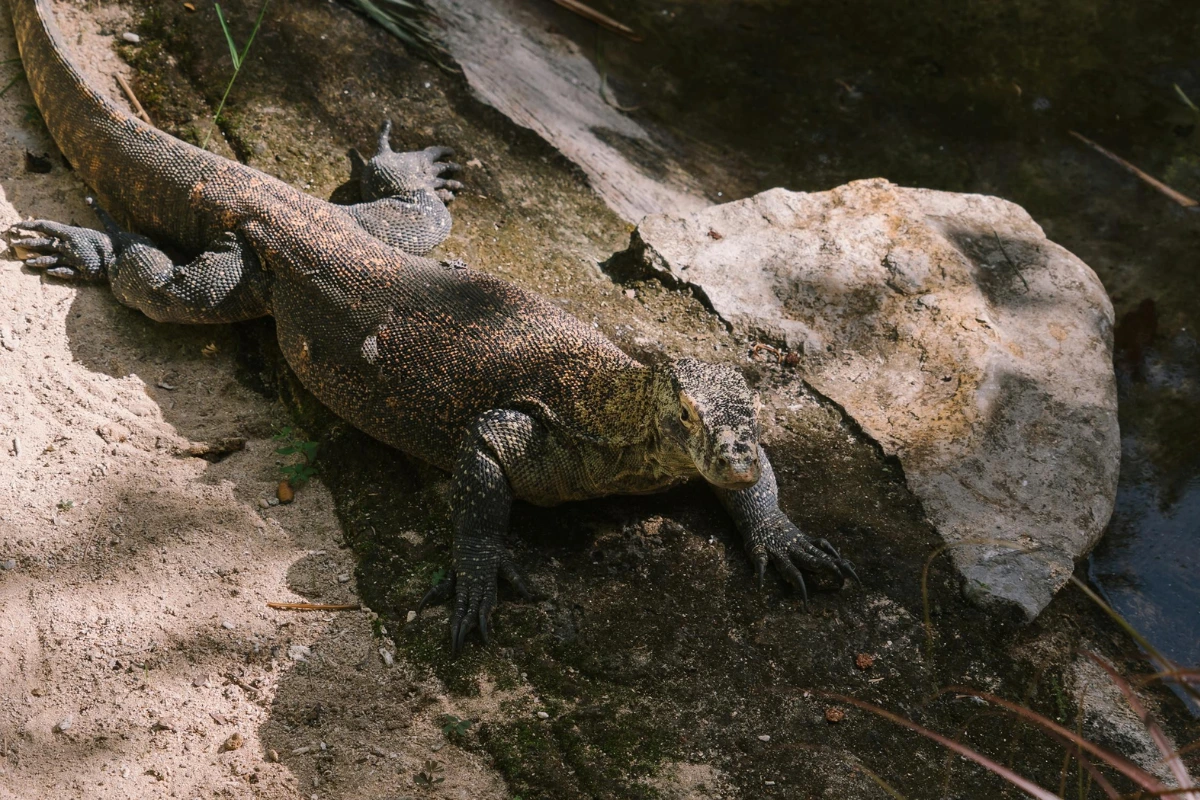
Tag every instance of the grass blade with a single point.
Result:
(1022, 783)
(1167, 665)
(233, 53)
(254, 32)
(1183, 96)
(1156, 733)
(1117, 762)
(879, 781)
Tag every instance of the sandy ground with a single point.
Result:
(138, 657)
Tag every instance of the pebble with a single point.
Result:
(9, 564)
(343, 578)
(543, 715)
(227, 625)
(64, 724)
(411, 615)
(273, 756)
(131, 37)
(299, 751)
(766, 737)
(438, 746)
(262, 502)
(299, 652)
(8, 340)
(386, 655)
(272, 501)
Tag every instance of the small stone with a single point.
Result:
(37, 691)
(408, 618)
(263, 503)
(343, 578)
(8, 339)
(386, 655)
(9, 564)
(162, 725)
(834, 715)
(437, 746)
(377, 751)
(543, 715)
(218, 718)
(227, 625)
(299, 652)
(864, 661)
(766, 737)
(299, 751)
(113, 432)
(64, 724)
(131, 37)
(272, 501)
(273, 756)
(631, 293)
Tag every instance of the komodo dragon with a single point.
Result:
(512, 395)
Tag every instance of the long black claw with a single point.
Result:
(829, 549)
(110, 225)
(508, 571)
(438, 594)
(485, 614)
(760, 569)
(845, 567)
(794, 577)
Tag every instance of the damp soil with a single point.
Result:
(653, 665)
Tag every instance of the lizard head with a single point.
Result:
(710, 412)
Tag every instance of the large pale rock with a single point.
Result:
(946, 325)
(541, 80)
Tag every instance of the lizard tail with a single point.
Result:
(105, 144)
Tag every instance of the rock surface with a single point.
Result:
(516, 62)
(947, 326)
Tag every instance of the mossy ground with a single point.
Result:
(652, 645)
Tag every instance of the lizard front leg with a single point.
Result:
(482, 500)
(404, 195)
(223, 284)
(771, 537)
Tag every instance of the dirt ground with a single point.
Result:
(138, 657)
(135, 639)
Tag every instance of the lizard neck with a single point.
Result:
(618, 405)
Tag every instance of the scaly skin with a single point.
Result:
(518, 399)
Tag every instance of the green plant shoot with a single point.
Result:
(238, 60)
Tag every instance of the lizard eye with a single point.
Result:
(685, 416)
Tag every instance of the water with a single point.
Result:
(979, 97)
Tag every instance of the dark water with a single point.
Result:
(980, 97)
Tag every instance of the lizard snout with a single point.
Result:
(735, 473)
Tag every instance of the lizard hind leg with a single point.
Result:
(225, 283)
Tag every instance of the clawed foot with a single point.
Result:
(474, 592)
(784, 545)
(392, 174)
(65, 251)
